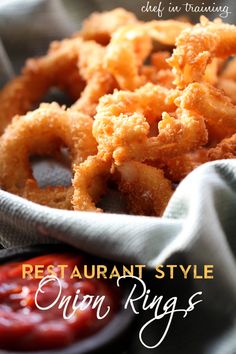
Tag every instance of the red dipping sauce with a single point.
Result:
(23, 326)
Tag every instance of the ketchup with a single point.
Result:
(24, 326)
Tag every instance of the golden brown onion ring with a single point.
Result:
(217, 109)
(197, 46)
(131, 45)
(230, 70)
(58, 197)
(158, 60)
(179, 167)
(128, 49)
(181, 133)
(146, 189)
(42, 132)
(90, 178)
(229, 88)
(98, 81)
(166, 32)
(226, 149)
(53, 69)
(99, 85)
(124, 121)
(100, 26)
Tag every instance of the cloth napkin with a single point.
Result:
(198, 226)
(199, 221)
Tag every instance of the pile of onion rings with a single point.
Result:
(151, 102)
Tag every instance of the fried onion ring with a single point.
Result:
(197, 46)
(120, 121)
(158, 60)
(100, 26)
(42, 132)
(98, 81)
(157, 115)
(58, 197)
(135, 182)
(227, 80)
(99, 85)
(90, 178)
(179, 167)
(229, 88)
(37, 77)
(230, 70)
(217, 109)
(159, 72)
(128, 49)
(182, 133)
(226, 149)
(146, 189)
(131, 45)
(124, 120)
(166, 32)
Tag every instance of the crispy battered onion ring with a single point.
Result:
(99, 85)
(226, 149)
(128, 49)
(159, 72)
(89, 183)
(179, 167)
(165, 32)
(91, 58)
(57, 68)
(124, 121)
(211, 74)
(100, 26)
(158, 60)
(135, 181)
(157, 115)
(227, 80)
(182, 133)
(150, 100)
(163, 77)
(42, 132)
(197, 46)
(147, 190)
(98, 81)
(229, 88)
(58, 197)
(131, 45)
(217, 109)
(230, 70)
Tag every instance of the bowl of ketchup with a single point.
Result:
(47, 306)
